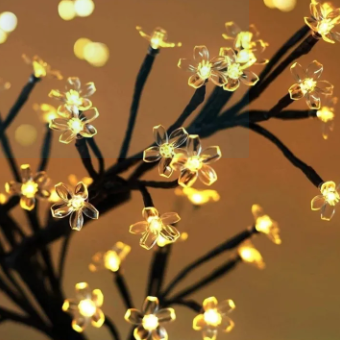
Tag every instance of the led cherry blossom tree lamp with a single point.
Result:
(178, 152)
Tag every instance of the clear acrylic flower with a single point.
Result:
(249, 254)
(326, 115)
(327, 201)
(165, 148)
(46, 112)
(214, 318)
(195, 163)
(249, 48)
(198, 197)
(75, 98)
(111, 259)
(150, 320)
(74, 204)
(40, 68)
(158, 38)
(77, 126)
(235, 71)
(86, 307)
(308, 84)
(265, 225)
(156, 226)
(204, 68)
(30, 188)
(324, 21)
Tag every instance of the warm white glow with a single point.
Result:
(87, 308)
(325, 114)
(8, 21)
(155, 224)
(269, 3)
(150, 322)
(284, 5)
(29, 189)
(97, 54)
(3, 36)
(194, 163)
(83, 8)
(212, 317)
(77, 202)
(75, 124)
(66, 10)
(111, 260)
(204, 69)
(79, 47)
(73, 98)
(308, 85)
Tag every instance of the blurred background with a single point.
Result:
(297, 296)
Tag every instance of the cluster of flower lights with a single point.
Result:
(175, 150)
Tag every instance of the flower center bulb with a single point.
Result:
(76, 125)
(325, 114)
(39, 69)
(234, 71)
(325, 26)
(194, 163)
(111, 261)
(155, 224)
(263, 224)
(244, 40)
(73, 98)
(77, 202)
(150, 322)
(29, 189)
(245, 56)
(87, 308)
(332, 197)
(308, 85)
(212, 317)
(166, 150)
(204, 69)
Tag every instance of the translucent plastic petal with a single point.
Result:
(64, 112)
(81, 190)
(229, 54)
(187, 178)
(249, 78)
(232, 30)
(226, 306)
(186, 64)
(194, 146)
(89, 90)
(160, 135)
(210, 303)
(196, 81)
(232, 85)
(133, 316)
(85, 104)
(56, 94)
(164, 168)
(13, 188)
(140, 333)
(178, 137)
(327, 212)
(227, 324)
(27, 203)
(207, 175)
(98, 297)
(295, 92)
(314, 70)
(151, 154)
(59, 124)
(324, 87)
(69, 305)
(148, 240)
(209, 334)
(79, 323)
(170, 218)
(150, 305)
(179, 161)
(138, 228)
(257, 211)
(311, 22)
(201, 53)
(298, 72)
(199, 322)
(90, 211)
(150, 212)
(160, 333)
(316, 10)
(218, 78)
(89, 131)
(98, 319)
(211, 154)
(26, 173)
(166, 315)
(40, 178)
(170, 233)
(61, 210)
(67, 137)
(90, 115)
(313, 100)
(77, 220)
(83, 291)
(318, 202)
(63, 192)
(218, 63)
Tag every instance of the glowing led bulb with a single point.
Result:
(149, 322)
(66, 10)
(41, 68)
(30, 188)
(158, 38)
(326, 115)
(84, 8)
(8, 21)
(251, 255)
(214, 317)
(86, 307)
(198, 197)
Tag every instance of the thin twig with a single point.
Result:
(95, 149)
(85, 157)
(63, 254)
(123, 289)
(46, 149)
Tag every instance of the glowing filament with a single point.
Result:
(308, 85)
(325, 114)
(194, 163)
(87, 308)
(77, 202)
(212, 317)
(150, 322)
(204, 69)
(29, 189)
(167, 150)
(155, 225)
(73, 98)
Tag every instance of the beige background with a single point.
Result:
(297, 296)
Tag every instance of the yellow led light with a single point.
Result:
(150, 322)
(198, 197)
(212, 317)
(66, 10)
(325, 114)
(8, 21)
(111, 260)
(251, 255)
(83, 8)
(46, 112)
(158, 38)
(97, 54)
(3, 198)
(79, 47)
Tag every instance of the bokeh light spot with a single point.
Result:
(66, 9)
(97, 54)
(79, 47)
(8, 21)
(84, 8)
(25, 134)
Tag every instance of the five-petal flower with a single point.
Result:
(75, 98)
(326, 202)
(30, 187)
(76, 126)
(214, 318)
(40, 68)
(86, 307)
(326, 115)
(248, 49)
(150, 320)
(193, 163)
(156, 226)
(158, 38)
(204, 68)
(308, 84)
(164, 151)
(75, 204)
(324, 21)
